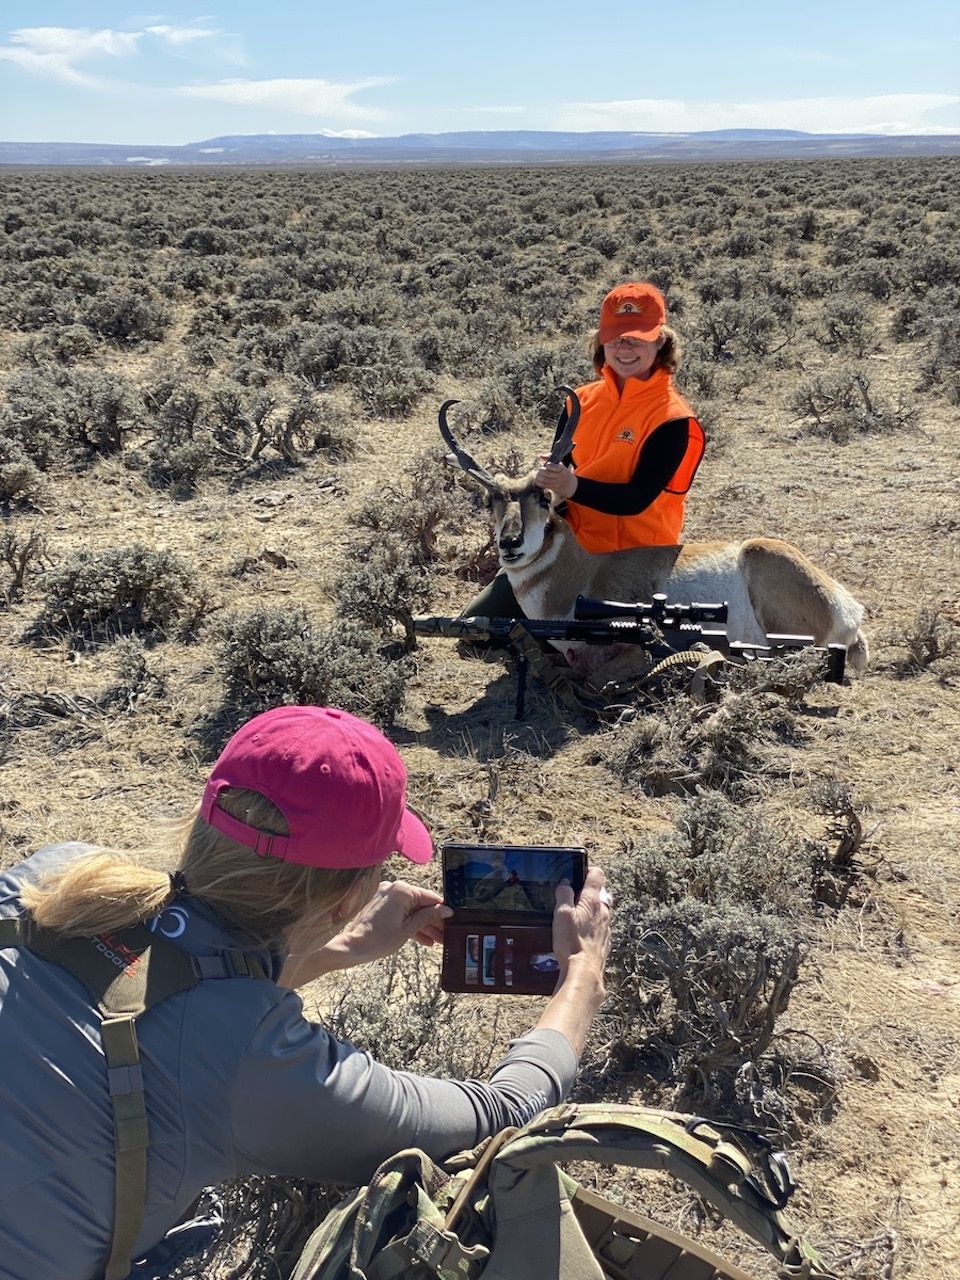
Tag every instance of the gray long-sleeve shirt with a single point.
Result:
(237, 1081)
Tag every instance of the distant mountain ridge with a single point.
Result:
(520, 146)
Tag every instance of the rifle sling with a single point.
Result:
(529, 650)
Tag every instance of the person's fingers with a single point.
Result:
(593, 883)
(430, 936)
(563, 893)
(428, 920)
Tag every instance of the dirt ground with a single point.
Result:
(879, 1165)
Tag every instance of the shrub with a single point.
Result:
(126, 315)
(56, 415)
(397, 1011)
(844, 323)
(721, 852)
(747, 324)
(205, 241)
(67, 344)
(180, 468)
(531, 377)
(928, 639)
(680, 747)
(493, 408)
(841, 405)
(384, 586)
(137, 680)
(21, 481)
(718, 977)
(273, 657)
(388, 389)
(99, 595)
(940, 365)
(412, 512)
(319, 354)
(17, 551)
(379, 364)
(708, 940)
(311, 424)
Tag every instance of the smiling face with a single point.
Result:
(632, 357)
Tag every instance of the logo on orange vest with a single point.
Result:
(625, 434)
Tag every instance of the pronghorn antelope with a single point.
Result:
(769, 586)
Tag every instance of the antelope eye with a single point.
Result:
(542, 498)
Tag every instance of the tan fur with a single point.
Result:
(770, 587)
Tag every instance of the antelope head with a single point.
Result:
(525, 517)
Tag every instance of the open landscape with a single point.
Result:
(223, 487)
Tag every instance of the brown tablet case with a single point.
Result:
(499, 939)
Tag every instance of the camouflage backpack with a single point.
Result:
(506, 1211)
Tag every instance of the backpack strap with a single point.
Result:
(631, 1247)
(395, 1229)
(738, 1171)
(126, 973)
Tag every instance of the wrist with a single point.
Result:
(584, 977)
(333, 955)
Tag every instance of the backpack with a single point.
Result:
(506, 1211)
(126, 973)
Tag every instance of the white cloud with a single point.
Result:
(183, 35)
(301, 97)
(55, 51)
(185, 42)
(885, 113)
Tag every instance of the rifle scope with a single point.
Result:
(658, 611)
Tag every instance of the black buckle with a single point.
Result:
(772, 1179)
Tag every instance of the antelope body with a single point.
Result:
(769, 586)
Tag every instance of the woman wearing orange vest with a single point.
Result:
(638, 444)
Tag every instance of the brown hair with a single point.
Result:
(110, 889)
(668, 357)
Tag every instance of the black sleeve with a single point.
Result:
(659, 458)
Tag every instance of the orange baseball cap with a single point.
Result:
(635, 310)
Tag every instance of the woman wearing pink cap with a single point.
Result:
(638, 443)
(110, 1127)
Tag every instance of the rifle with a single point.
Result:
(661, 629)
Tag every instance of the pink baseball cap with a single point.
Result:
(635, 310)
(336, 779)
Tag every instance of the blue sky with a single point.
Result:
(106, 72)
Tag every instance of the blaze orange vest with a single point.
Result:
(612, 429)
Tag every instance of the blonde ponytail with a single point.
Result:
(98, 893)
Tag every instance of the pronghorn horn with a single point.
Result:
(468, 463)
(568, 422)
